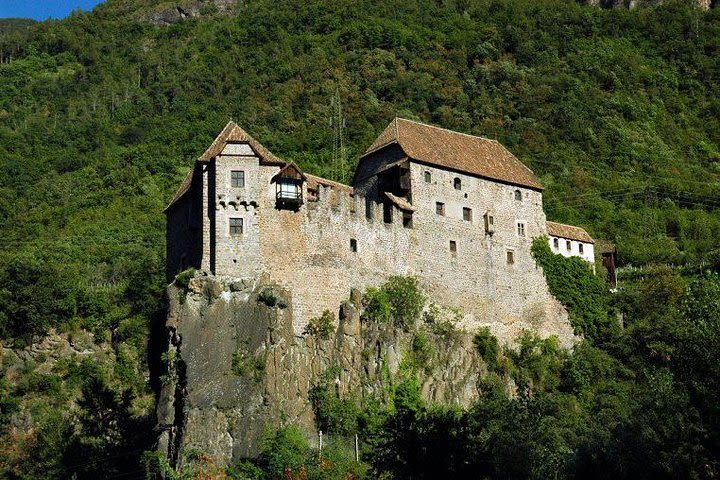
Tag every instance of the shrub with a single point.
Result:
(421, 351)
(321, 326)
(269, 297)
(247, 365)
(436, 318)
(183, 278)
(399, 300)
(488, 348)
(333, 414)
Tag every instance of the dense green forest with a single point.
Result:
(618, 111)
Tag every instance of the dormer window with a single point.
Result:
(457, 183)
(289, 187)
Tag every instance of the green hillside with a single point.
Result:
(102, 114)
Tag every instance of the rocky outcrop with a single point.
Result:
(171, 12)
(236, 369)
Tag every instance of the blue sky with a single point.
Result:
(43, 9)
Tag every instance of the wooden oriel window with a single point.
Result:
(237, 178)
(236, 226)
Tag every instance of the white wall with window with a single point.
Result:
(568, 247)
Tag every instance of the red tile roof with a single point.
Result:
(568, 231)
(456, 151)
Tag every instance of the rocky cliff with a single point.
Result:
(235, 368)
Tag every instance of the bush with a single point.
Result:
(399, 300)
(321, 326)
(183, 278)
(246, 365)
(333, 414)
(488, 348)
(269, 297)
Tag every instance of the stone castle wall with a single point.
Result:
(308, 252)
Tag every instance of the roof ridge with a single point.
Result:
(447, 130)
(564, 224)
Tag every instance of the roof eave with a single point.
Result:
(537, 187)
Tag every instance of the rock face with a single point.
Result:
(236, 368)
(171, 12)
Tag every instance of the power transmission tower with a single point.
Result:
(337, 123)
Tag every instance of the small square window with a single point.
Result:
(237, 179)
(521, 229)
(510, 256)
(440, 208)
(580, 247)
(556, 243)
(453, 248)
(457, 183)
(236, 226)
(353, 245)
(407, 219)
(467, 214)
(428, 177)
(568, 245)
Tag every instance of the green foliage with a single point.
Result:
(271, 298)
(183, 278)
(421, 352)
(399, 300)
(247, 365)
(572, 282)
(321, 327)
(333, 414)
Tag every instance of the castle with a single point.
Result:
(457, 211)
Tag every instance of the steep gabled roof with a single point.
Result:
(230, 134)
(570, 232)
(456, 151)
(184, 187)
(234, 134)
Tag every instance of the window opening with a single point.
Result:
(510, 255)
(457, 183)
(428, 177)
(467, 214)
(453, 248)
(440, 208)
(521, 229)
(237, 178)
(236, 226)
(518, 195)
(353, 245)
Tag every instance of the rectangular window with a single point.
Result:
(568, 245)
(453, 248)
(440, 208)
(237, 178)
(428, 177)
(236, 226)
(467, 214)
(510, 255)
(353, 245)
(580, 247)
(407, 219)
(521, 229)
(555, 243)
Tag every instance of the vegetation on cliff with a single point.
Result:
(618, 111)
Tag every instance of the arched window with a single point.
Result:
(457, 183)
(518, 195)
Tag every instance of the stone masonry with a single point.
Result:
(402, 216)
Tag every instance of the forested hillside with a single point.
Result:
(102, 114)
